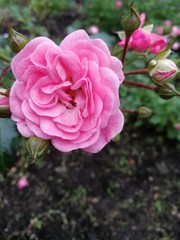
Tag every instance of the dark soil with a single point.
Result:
(128, 191)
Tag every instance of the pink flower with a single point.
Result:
(159, 30)
(175, 31)
(142, 39)
(176, 46)
(68, 93)
(177, 126)
(22, 183)
(118, 4)
(157, 43)
(93, 29)
(4, 101)
(167, 23)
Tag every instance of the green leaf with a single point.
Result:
(8, 145)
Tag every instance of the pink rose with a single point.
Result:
(157, 43)
(140, 41)
(143, 39)
(68, 93)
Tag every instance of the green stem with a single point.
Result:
(137, 71)
(4, 58)
(3, 73)
(141, 85)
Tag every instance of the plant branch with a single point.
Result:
(129, 111)
(4, 70)
(141, 85)
(4, 58)
(137, 71)
(125, 50)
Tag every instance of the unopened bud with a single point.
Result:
(131, 21)
(36, 147)
(162, 71)
(165, 92)
(144, 112)
(17, 41)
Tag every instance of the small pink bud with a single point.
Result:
(163, 70)
(175, 31)
(118, 4)
(177, 126)
(159, 30)
(22, 183)
(93, 29)
(176, 46)
(168, 23)
(4, 104)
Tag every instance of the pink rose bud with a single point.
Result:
(4, 103)
(175, 31)
(93, 29)
(118, 4)
(159, 30)
(176, 46)
(177, 126)
(22, 183)
(163, 70)
(168, 23)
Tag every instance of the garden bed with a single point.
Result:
(128, 191)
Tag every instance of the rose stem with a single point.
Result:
(125, 50)
(4, 70)
(137, 84)
(129, 111)
(138, 71)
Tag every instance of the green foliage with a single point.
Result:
(104, 13)
(46, 8)
(8, 145)
(165, 112)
